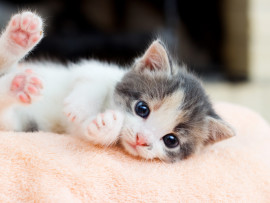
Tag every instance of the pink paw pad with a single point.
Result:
(26, 86)
(25, 29)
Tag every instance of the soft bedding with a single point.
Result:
(47, 167)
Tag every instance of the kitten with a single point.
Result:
(155, 109)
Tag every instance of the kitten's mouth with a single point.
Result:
(131, 148)
(134, 146)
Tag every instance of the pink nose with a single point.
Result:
(140, 140)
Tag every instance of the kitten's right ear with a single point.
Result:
(218, 130)
(154, 59)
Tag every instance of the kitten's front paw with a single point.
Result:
(75, 110)
(25, 29)
(26, 86)
(105, 128)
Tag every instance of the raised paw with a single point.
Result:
(26, 86)
(25, 29)
(105, 128)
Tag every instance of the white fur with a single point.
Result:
(80, 90)
(72, 97)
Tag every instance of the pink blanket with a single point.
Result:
(47, 167)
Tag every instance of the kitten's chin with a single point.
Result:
(135, 150)
(130, 148)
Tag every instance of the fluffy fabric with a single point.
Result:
(48, 167)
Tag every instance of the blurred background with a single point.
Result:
(225, 42)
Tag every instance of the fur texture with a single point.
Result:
(155, 109)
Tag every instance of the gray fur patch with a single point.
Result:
(31, 126)
(136, 86)
(196, 103)
(185, 150)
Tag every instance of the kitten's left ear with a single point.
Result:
(218, 130)
(154, 59)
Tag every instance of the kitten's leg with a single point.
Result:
(16, 89)
(81, 107)
(26, 87)
(23, 32)
(19, 88)
(84, 101)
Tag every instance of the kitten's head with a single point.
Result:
(168, 114)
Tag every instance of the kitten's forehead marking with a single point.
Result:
(169, 102)
(166, 113)
(157, 105)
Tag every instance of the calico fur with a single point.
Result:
(99, 101)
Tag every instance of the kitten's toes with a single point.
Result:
(71, 116)
(25, 30)
(75, 111)
(26, 86)
(105, 128)
(107, 120)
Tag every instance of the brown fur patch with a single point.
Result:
(58, 127)
(3, 61)
(166, 113)
(158, 105)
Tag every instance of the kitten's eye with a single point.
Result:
(171, 141)
(142, 109)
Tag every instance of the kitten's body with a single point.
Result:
(82, 88)
(72, 95)
(155, 109)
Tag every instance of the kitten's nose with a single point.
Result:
(140, 140)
